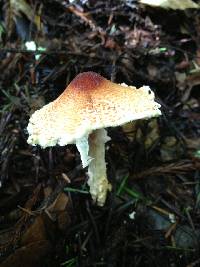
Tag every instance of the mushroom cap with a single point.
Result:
(88, 103)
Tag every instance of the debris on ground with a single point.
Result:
(152, 214)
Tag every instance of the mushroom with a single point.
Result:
(89, 104)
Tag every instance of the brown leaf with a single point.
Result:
(171, 4)
(58, 211)
(36, 232)
(60, 203)
(31, 255)
(170, 149)
(153, 133)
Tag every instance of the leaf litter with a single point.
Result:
(151, 217)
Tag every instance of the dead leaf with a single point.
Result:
(31, 255)
(194, 78)
(186, 82)
(47, 192)
(171, 4)
(21, 6)
(153, 133)
(132, 131)
(58, 211)
(170, 149)
(59, 204)
(36, 232)
(64, 220)
(181, 80)
(193, 143)
(140, 38)
(184, 64)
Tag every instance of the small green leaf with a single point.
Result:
(121, 186)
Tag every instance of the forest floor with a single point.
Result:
(152, 214)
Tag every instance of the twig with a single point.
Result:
(88, 19)
(173, 168)
(49, 52)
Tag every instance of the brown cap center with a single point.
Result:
(87, 81)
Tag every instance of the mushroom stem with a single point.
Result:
(97, 181)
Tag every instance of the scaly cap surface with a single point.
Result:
(88, 103)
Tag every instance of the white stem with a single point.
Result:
(99, 185)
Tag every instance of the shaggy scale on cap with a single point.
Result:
(88, 103)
